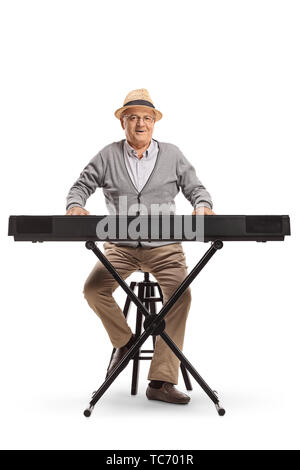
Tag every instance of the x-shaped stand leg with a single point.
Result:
(154, 325)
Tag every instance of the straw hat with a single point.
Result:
(139, 98)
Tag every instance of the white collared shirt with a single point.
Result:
(140, 169)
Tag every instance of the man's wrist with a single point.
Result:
(73, 205)
(203, 204)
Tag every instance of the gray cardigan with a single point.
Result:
(172, 172)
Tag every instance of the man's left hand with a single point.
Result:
(203, 211)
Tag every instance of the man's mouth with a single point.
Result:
(140, 132)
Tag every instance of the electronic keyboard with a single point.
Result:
(177, 228)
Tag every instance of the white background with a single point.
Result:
(225, 74)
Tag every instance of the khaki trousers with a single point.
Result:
(168, 265)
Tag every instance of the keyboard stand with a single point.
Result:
(154, 324)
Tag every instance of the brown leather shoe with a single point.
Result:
(167, 393)
(117, 356)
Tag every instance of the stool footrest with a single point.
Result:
(152, 299)
(147, 351)
(148, 283)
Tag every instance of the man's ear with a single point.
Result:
(122, 123)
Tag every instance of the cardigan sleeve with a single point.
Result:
(89, 180)
(191, 186)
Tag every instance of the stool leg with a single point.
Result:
(186, 377)
(128, 300)
(138, 329)
(153, 310)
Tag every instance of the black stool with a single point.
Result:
(146, 294)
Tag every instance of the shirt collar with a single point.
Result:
(133, 153)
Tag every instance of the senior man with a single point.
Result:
(146, 174)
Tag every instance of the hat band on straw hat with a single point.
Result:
(137, 98)
(139, 103)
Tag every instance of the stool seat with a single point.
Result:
(146, 294)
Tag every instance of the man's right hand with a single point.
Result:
(76, 210)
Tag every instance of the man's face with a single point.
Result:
(138, 131)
